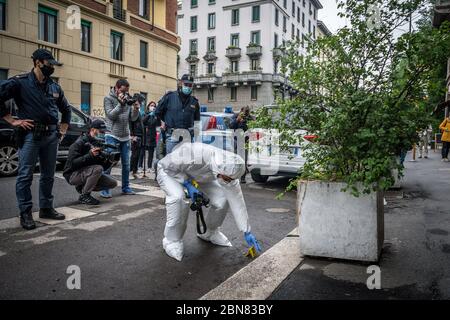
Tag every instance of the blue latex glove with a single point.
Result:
(251, 241)
(192, 191)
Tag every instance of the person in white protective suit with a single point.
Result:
(217, 173)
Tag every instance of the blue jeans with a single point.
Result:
(46, 149)
(171, 142)
(124, 149)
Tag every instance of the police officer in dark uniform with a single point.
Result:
(179, 110)
(38, 99)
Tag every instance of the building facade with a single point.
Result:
(441, 14)
(231, 47)
(131, 39)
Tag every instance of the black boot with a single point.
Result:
(50, 213)
(27, 221)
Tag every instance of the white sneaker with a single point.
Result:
(174, 249)
(216, 237)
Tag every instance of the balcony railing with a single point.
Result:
(254, 50)
(278, 80)
(206, 79)
(251, 76)
(233, 53)
(230, 77)
(120, 14)
(192, 57)
(210, 56)
(277, 53)
(116, 70)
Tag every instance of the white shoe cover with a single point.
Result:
(216, 237)
(174, 249)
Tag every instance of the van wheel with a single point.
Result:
(258, 177)
(9, 160)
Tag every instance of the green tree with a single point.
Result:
(362, 92)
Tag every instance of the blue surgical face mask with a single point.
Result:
(100, 136)
(186, 90)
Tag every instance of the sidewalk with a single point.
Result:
(416, 255)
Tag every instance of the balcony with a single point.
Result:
(251, 76)
(119, 14)
(277, 53)
(441, 12)
(116, 70)
(278, 80)
(210, 56)
(230, 78)
(206, 80)
(254, 50)
(192, 57)
(233, 53)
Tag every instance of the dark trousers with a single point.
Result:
(445, 149)
(135, 154)
(151, 153)
(92, 178)
(46, 149)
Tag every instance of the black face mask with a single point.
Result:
(47, 71)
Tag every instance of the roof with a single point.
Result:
(321, 25)
(317, 4)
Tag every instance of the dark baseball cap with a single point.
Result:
(98, 124)
(187, 78)
(43, 54)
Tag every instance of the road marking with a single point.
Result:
(92, 226)
(2, 253)
(49, 237)
(70, 213)
(262, 276)
(277, 210)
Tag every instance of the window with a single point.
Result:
(211, 21)
(193, 46)
(48, 22)
(235, 40)
(298, 34)
(193, 70)
(314, 32)
(210, 94)
(254, 93)
(116, 45)
(255, 13)
(293, 8)
(275, 66)
(77, 119)
(309, 26)
(292, 31)
(254, 64)
(285, 4)
(276, 16)
(315, 13)
(298, 14)
(233, 93)
(310, 9)
(255, 37)
(212, 2)
(284, 24)
(234, 66)
(3, 74)
(193, 23)
(85, 36)
(211, 44)
(303, 19)
(303, 40)
(235, 17)
(144, 54)
(275, 41)
(211, 69)
(194, 3)
(304, 3)
(85, 97)
(2, 15)
(143, 8)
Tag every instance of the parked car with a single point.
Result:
(267, 159)
(9, 157)
(216, 129)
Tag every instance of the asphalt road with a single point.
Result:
(119, 250)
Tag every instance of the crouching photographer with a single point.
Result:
(86, 162)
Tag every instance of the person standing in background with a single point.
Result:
(445, 127)
(424, 136)
(118, 113)
(137, 143)
(151, 122)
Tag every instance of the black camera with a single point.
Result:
(130, 100)
(105, 153)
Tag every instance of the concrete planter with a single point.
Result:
(335, 224)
